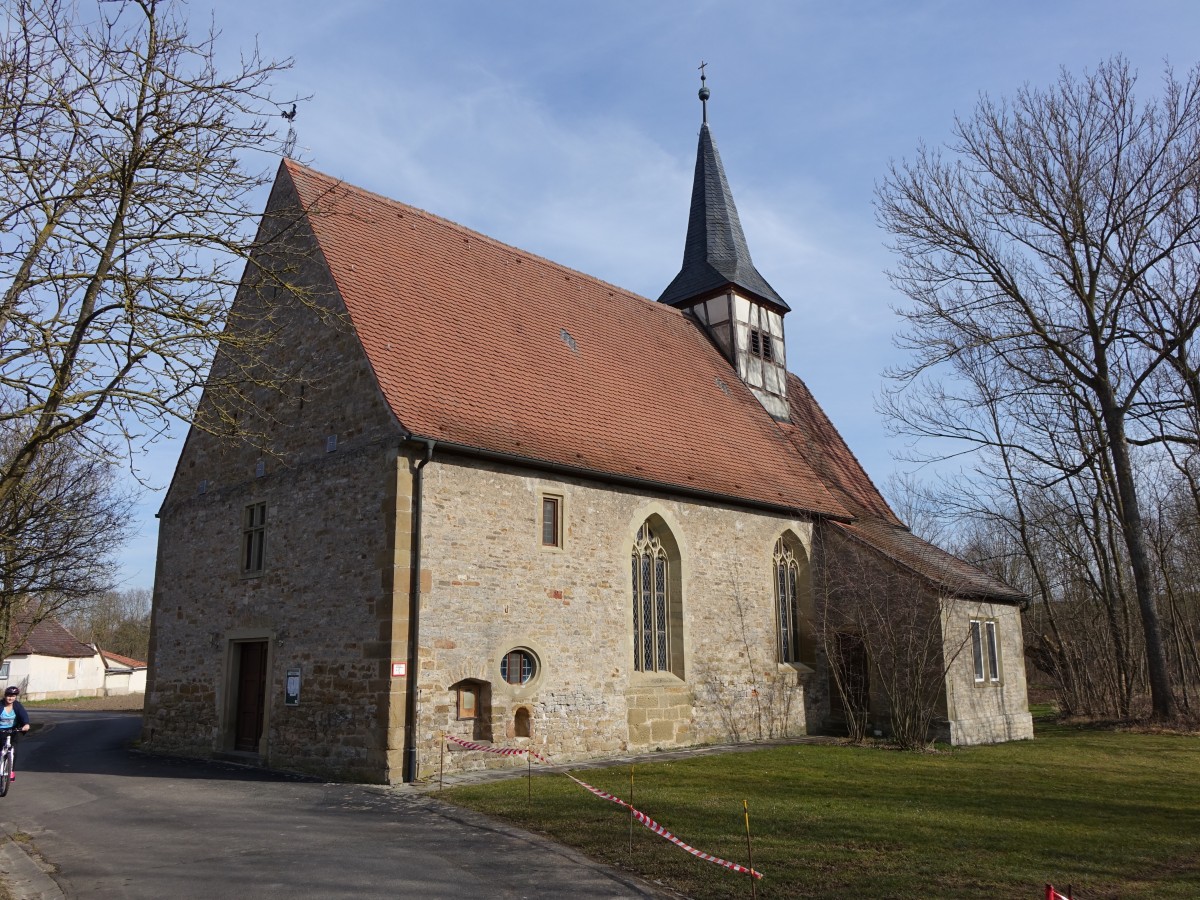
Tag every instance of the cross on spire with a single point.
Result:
(704, 92)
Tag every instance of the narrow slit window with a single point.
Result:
(993, 652)
(977, 649)
(985, 651)
(551, 521)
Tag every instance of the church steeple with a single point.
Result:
(715, 254)
(719, 285)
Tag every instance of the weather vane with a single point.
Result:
(289, 143)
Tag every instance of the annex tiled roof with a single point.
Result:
(49, 638)
(121, 661)
(486, 346)
(955, 575)
(875, 524)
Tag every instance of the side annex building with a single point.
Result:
(466, 490)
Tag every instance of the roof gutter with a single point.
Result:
(624, 480)
(414, 617)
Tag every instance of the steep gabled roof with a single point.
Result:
(484, 346)
(49, 638)
(715, 253)
(815, 436)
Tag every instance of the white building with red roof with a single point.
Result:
(50, 663)
(468, 491)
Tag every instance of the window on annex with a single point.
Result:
(254, 534)
(70, 668)
(985, 651)
(793, 602)
(4, 671)
(552, 521)
(657, 610)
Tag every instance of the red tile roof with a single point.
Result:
(819, 442)
(955, 576)
(122, 661)
(485, 346)
(49, 638)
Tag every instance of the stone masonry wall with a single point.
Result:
(985, 712)
(324, 601)
(492, 588)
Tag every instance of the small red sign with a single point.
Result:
(399, 670)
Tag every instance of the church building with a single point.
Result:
(446, 487)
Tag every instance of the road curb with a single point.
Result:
(21, 874)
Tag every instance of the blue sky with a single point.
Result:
(569, 130)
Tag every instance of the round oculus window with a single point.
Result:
(517, 666)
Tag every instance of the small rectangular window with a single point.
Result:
(4, 671)
(754, 345)
(254, 533)
(70, 668)
(468, 702)
(551, 521)
(767, 351)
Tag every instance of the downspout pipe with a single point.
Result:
(414, 618)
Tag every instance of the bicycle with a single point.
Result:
(6, 761)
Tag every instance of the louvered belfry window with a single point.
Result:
(651, 577)
(787, 601)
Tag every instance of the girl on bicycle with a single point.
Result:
(13, 715)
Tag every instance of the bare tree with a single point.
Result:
(129, 194)
(884, 639)
(116, 621)
(59, 531)
(1056, 245)
(124, 201)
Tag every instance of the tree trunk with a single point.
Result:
(1161, 698)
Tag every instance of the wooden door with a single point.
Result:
(251, 695)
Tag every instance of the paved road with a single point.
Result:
(113, 823)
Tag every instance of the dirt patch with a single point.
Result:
(125, 703)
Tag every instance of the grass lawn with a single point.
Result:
(1113, 814)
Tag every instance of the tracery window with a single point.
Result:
(787, 601)
(651, 603)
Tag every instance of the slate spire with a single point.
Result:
(715, 255)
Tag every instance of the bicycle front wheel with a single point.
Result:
(6, 763)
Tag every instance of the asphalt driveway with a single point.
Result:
(103, 821)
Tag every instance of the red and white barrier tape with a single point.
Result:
(500, 751)
(662, 832)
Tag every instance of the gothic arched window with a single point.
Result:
(793, 603)
(651, 602)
